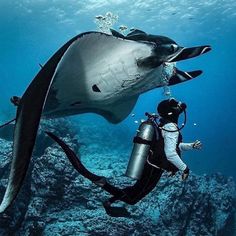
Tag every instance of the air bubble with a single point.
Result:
(106, 22)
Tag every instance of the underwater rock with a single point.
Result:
(56, 200)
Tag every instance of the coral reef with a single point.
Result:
(56, 200)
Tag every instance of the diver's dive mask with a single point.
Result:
(176, 107)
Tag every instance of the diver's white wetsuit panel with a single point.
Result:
(170, 143)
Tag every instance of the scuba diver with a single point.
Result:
(169, 110)
(157, 148)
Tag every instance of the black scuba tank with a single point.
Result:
(141, 149)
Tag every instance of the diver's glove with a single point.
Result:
(197, 144)
(185, 173)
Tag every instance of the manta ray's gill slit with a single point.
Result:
(112, 72)
(123, 69)
(127, 82)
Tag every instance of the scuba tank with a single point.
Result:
(141, 149)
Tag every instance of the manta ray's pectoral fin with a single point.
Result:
(149, 62)
(29, 111)
(117, 34)
(115, 113)
(181, 76)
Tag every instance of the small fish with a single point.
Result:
(123, 27)
(100, 17)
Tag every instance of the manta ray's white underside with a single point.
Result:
(99, 73)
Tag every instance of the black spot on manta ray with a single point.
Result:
(95, 88)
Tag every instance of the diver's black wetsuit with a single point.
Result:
(151, 175)
(149, 179)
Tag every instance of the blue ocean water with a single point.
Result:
(31, 31)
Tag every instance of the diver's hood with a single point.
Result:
(170, 109)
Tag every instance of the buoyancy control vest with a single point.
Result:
(158, 156)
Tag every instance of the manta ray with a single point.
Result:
(94, 72)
